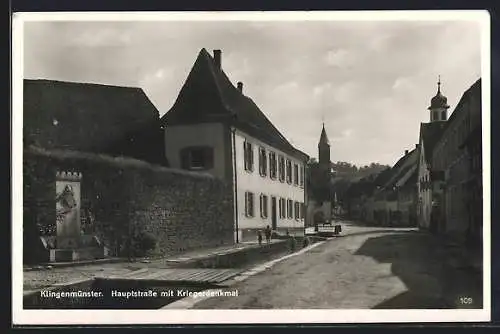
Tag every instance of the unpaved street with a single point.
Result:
(367, 267)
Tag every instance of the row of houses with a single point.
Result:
(213, 128)
(450, 168)
(437, 185)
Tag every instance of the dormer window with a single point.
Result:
(197, 158)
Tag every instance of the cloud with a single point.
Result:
(339, 58)
(346, 93)
(101, 38)
(403, 84)
(371, 83)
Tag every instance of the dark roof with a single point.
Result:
(474, 137)
(430, 134)
(383, 177)
(323, 139)
(474, 89)
(413, 179)
(402, 167)
(209, 96)
(439, 100)
(119, 121)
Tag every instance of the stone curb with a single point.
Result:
(189, 302)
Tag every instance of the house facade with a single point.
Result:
(457, 161)
(214, 128)
(428, 194)
(393, 203)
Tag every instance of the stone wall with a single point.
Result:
(183, 210)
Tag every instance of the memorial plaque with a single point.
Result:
(68, 209)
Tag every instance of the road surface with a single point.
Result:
(367, 267)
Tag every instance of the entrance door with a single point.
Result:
(274, 218)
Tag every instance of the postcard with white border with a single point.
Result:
(251, 167)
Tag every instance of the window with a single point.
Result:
(443, 115)
(273, 165)
(290, 208)
(301, 176)
(249, 207)
(282, 209)
(302, 210)
(263, 206)
(297, 210)
(296, 174)
(281, 168)
(262, 161)
(197, 158)
(248, 155)
(288, 171)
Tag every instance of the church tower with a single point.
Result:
(324, 148)
(439, 106)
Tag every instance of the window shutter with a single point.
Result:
(245, 155)
(250, 156)
(252, 211)
(246, 203)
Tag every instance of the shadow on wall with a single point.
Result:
(432, 278)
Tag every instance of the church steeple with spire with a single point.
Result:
(324, 148)
(439, 105)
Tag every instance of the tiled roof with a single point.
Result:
(209, 96)
(430, 134)
(402, 167)
(92, 118)
(413, 179)
(474, 89)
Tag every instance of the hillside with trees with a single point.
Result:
(344, 175)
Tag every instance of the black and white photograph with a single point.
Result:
(323, 167)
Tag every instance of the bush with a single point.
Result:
(147, 241)
(142, 243)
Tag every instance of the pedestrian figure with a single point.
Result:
(338, 229)
(268, 234)
(259, 237)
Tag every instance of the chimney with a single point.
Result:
(416, 146)
(240, 86)
(406, 152)
(217, 59)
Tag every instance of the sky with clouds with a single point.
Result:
(371, 82)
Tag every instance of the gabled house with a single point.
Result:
(92, 118)
(457, 164)
(393, 203)
(428, 137)
(214, 127)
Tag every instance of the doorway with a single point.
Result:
(274, 218)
